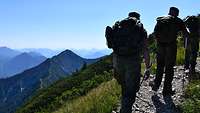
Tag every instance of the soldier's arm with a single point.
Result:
(183, 29)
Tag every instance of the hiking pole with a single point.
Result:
(147, 73)
(186, 43)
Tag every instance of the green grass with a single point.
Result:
(192, 95)
(180, 56)
(102, 99)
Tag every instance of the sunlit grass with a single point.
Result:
(192, 94)
(102, 99)
(180, 56)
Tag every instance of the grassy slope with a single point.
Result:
(100, 100)
(192, 95)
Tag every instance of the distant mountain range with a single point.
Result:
(13, 61)
(6, 54)
(20, 63)
(17, 89)
(92, 53)
(85, 53)
(44, 51)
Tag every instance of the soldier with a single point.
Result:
(192, 23)
(126, 38)
(166, 31)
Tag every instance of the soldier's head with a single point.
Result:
(134, 14)
(173, 11)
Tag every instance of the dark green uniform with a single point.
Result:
(167, 50)
(127, 38)
(192, 24)
(127, 72)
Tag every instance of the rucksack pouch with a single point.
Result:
(167, 29)
(108, 35)
(126, 37)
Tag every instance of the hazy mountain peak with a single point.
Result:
(68, 53)
(35, 54)
(7, 52)
(44, 51)
(24, 54)
(4, 47)
(20, 63)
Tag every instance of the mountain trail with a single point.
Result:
(148, 101)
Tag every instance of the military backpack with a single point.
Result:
(125, 36)
(192, 23)
(166, 29)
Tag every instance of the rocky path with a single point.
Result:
(148, 101)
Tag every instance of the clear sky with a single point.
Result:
(76, 23)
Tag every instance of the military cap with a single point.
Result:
(173, 11)
(134, 14)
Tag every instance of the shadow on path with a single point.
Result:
(166, 106)
(195, 76)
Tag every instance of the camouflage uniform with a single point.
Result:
(193, 45)
(127, 72)
(166, 55)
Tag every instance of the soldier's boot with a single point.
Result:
(168, 92)
(167, 89)
(155, 87)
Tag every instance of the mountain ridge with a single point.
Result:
(51, 98)
(17, 89)
(20, 63)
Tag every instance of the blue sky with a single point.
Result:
(76, 24)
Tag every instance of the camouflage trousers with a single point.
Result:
(166, 59)
(191, 52)
(127, 72)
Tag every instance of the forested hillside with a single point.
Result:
(65, 90)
